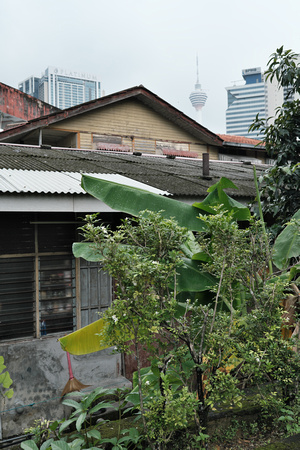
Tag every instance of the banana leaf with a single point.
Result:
(287, 244)
(192, 278)
(85, 340)
(217, 197)
(133, 200)
(87, 251)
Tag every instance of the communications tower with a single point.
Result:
(198, 98)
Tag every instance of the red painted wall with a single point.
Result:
(17, 104)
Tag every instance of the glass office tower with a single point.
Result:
(64, 88)
(256, 96)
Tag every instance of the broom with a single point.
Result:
(73, 384)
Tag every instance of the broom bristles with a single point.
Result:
(73, 385)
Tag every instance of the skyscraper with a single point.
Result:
(30, 86)
(198, 98)
(256, 96)
(63, 88)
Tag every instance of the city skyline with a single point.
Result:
(62, 87)
(149, 43)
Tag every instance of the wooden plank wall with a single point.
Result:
(128, 119)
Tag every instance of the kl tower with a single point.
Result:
(198, 98)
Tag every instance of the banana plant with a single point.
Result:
(134, 201)
(192, 278)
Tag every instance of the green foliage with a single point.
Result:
(281, 183)
(5, 380)
(82, 415)
(205, 349)
(133, 200)
(167, 413)
(143, 256)
(290, 419)
(223, 345)
(287, 244)
(41, 430)
(51, 435)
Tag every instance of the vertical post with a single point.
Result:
(37, 284)
(40, 137)
(77, 284)
(205, 164)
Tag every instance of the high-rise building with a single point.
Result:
(30, 86)
(198, 98)
(256, 96)
(63, 88)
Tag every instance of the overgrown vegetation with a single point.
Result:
(281, 183)
(206, 350)
(201, 288)
(205, 353)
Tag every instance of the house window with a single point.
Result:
(51, 308)
(16, 297)
(37, 275)
(43, 289)
(56, 293)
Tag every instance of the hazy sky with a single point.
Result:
(149, 42)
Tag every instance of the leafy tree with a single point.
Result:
(280, 185)
(229, 335)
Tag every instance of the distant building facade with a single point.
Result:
(63, 88)
(30, 86)
(256, 96)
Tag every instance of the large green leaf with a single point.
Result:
(217, 197)
(133, 200)
(87, 251)
(60, 445)
(29, 445)
(191, 246)
(85, 340)
(191, 277)
(287, 244)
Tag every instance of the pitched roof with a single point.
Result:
(139, 93)
(180, 177)
(241, 140)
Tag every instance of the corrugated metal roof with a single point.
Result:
(33, 181)
(179, 176)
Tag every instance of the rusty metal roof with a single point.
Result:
(178, 177)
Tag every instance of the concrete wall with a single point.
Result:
(16, 104)
(39, 371)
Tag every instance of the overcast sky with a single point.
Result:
(149, 42)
